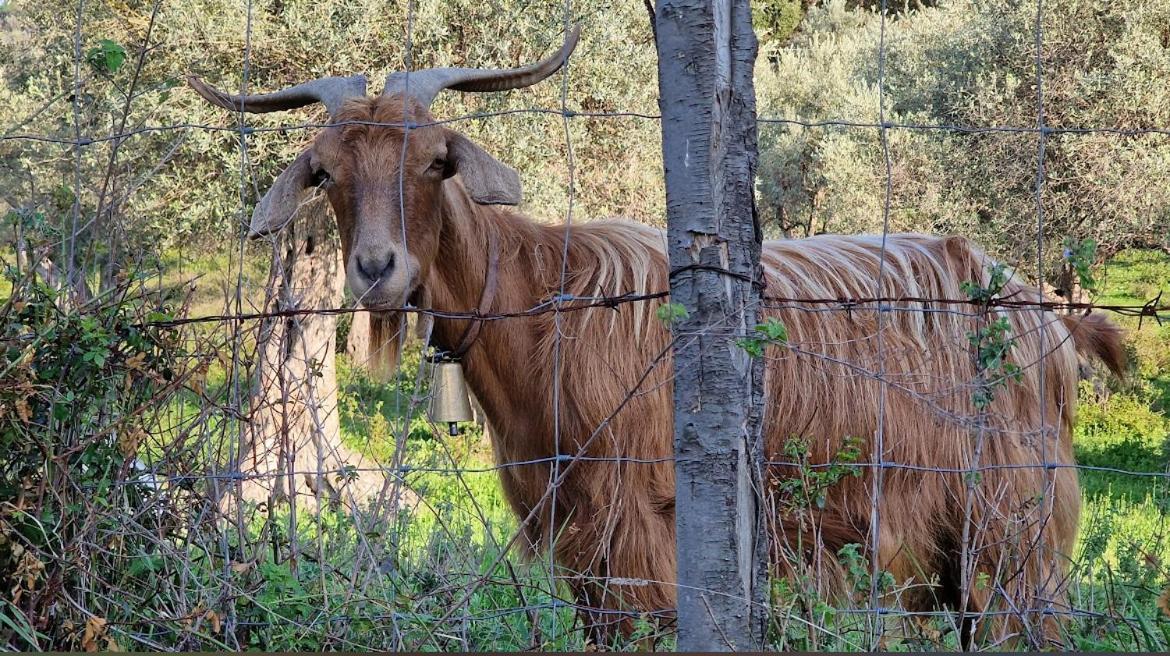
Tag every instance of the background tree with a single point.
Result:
(972, 64)
(292, 444)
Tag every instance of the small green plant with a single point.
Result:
(770, 332)
(997, 277)
(992, 342)
(108, 56)
(1080, 255)
(669, 313)
(857, 568)
(809, 488)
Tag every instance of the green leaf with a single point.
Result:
(671, 312)
(1081, 255)
(754, 347)
(17, 622)
(774, 330)
(108, 56)
(144, 565)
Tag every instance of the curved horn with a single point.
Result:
(330, 91)
(426, 84)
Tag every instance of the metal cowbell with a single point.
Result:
(449, 402)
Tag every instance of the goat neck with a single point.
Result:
(501, 357)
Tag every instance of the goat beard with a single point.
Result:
(389, 332)
(386, 342)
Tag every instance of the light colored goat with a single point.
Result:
(614, 520)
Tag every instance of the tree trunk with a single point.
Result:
(1068, 286)
(294, 445)
(357, 343)
(706, 55)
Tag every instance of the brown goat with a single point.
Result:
(997, 543)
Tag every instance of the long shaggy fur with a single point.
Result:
(611, 524)
(974, 508)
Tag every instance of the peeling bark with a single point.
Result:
(707, 51)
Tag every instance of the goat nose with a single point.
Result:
(376, 267)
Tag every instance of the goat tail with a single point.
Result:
(1096, 336)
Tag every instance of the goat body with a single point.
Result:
(1010, 526)
(977, 507)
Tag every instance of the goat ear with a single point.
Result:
(286, 195)
(487, 180)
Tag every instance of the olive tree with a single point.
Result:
(967, 65)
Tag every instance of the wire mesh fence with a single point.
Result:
(235, 451)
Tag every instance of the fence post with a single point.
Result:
(706, 53)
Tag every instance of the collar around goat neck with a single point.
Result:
(490, 282)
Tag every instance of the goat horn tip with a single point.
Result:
(202, 88)
(572, 35)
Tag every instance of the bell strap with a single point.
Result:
(491, 281)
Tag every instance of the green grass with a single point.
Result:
(1128, 429)
(1124, 547)
(1134, 277)
(213, 278)
(444, 548)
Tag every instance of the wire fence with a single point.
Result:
(225, 481)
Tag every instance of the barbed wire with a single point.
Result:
(573, 303)
(155, 478)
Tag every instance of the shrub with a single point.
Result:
(83, 388)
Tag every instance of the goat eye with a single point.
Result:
(439, 164)
(321, 178)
